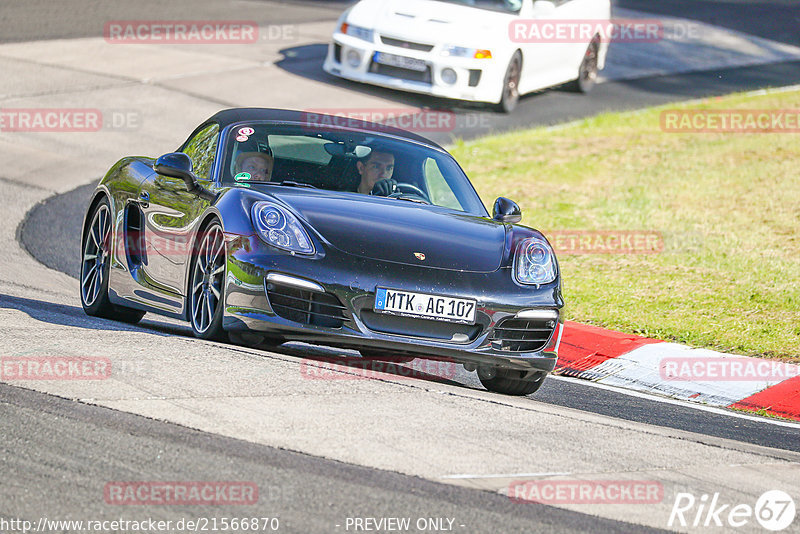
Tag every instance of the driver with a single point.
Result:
(376, 173)
(257, 164)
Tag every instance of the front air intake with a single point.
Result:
(523, 335)
(306, 307)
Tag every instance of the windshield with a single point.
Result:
(356, 162)
(507, 6)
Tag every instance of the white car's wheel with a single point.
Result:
(587, 73)
(510, 96)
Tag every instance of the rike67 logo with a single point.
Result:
(774, 510)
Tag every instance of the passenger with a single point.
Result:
(376, 173)
(257, 164)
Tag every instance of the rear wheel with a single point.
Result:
(510, 381)
(95, 267)
(510, 96)
(587, 72)
(207, 284)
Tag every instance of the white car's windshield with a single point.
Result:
(509, 6)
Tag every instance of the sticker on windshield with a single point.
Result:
(246, 131)
(242, 177)
(242, 138)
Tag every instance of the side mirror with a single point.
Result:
(542, 8)
(176, 165)
(506, 210)
(179, 165)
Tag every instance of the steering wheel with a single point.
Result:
(414, 190)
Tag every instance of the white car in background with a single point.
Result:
(464, 49)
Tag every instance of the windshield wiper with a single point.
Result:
(287, 183)
(290, 183)
(412, 199)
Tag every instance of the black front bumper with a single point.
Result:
(335, 306)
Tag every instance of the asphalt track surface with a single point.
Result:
(35, 20)
(308, 493)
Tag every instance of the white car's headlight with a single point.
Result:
(279, 228)
(359, 32)
(460, 51)
(534, 262)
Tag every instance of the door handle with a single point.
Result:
(144, 199)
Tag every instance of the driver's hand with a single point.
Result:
(384, 188)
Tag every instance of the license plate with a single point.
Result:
(403, 62)
(436, 307)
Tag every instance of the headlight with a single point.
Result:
(279, 228)
(460, 51)
(358, 32)
(534, 262)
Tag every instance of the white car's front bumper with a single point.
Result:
(479, 80)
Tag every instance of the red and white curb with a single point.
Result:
(638, 363)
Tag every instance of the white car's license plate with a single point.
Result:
(425, 306)
(403, 62)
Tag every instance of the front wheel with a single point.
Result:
(254, 340)
(385, 356)
(207, 284)
(95, 268)
(510, 381)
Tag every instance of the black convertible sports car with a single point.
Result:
(267, 223)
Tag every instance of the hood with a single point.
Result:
(431, 21)
(394, 230)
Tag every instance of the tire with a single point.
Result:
(254, 339)
(95, 268)
(510, 96)
(385, 356)
(587, 72)
(206, 295)
(507, 382)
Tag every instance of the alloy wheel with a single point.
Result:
(95, 256)
(207, 279)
